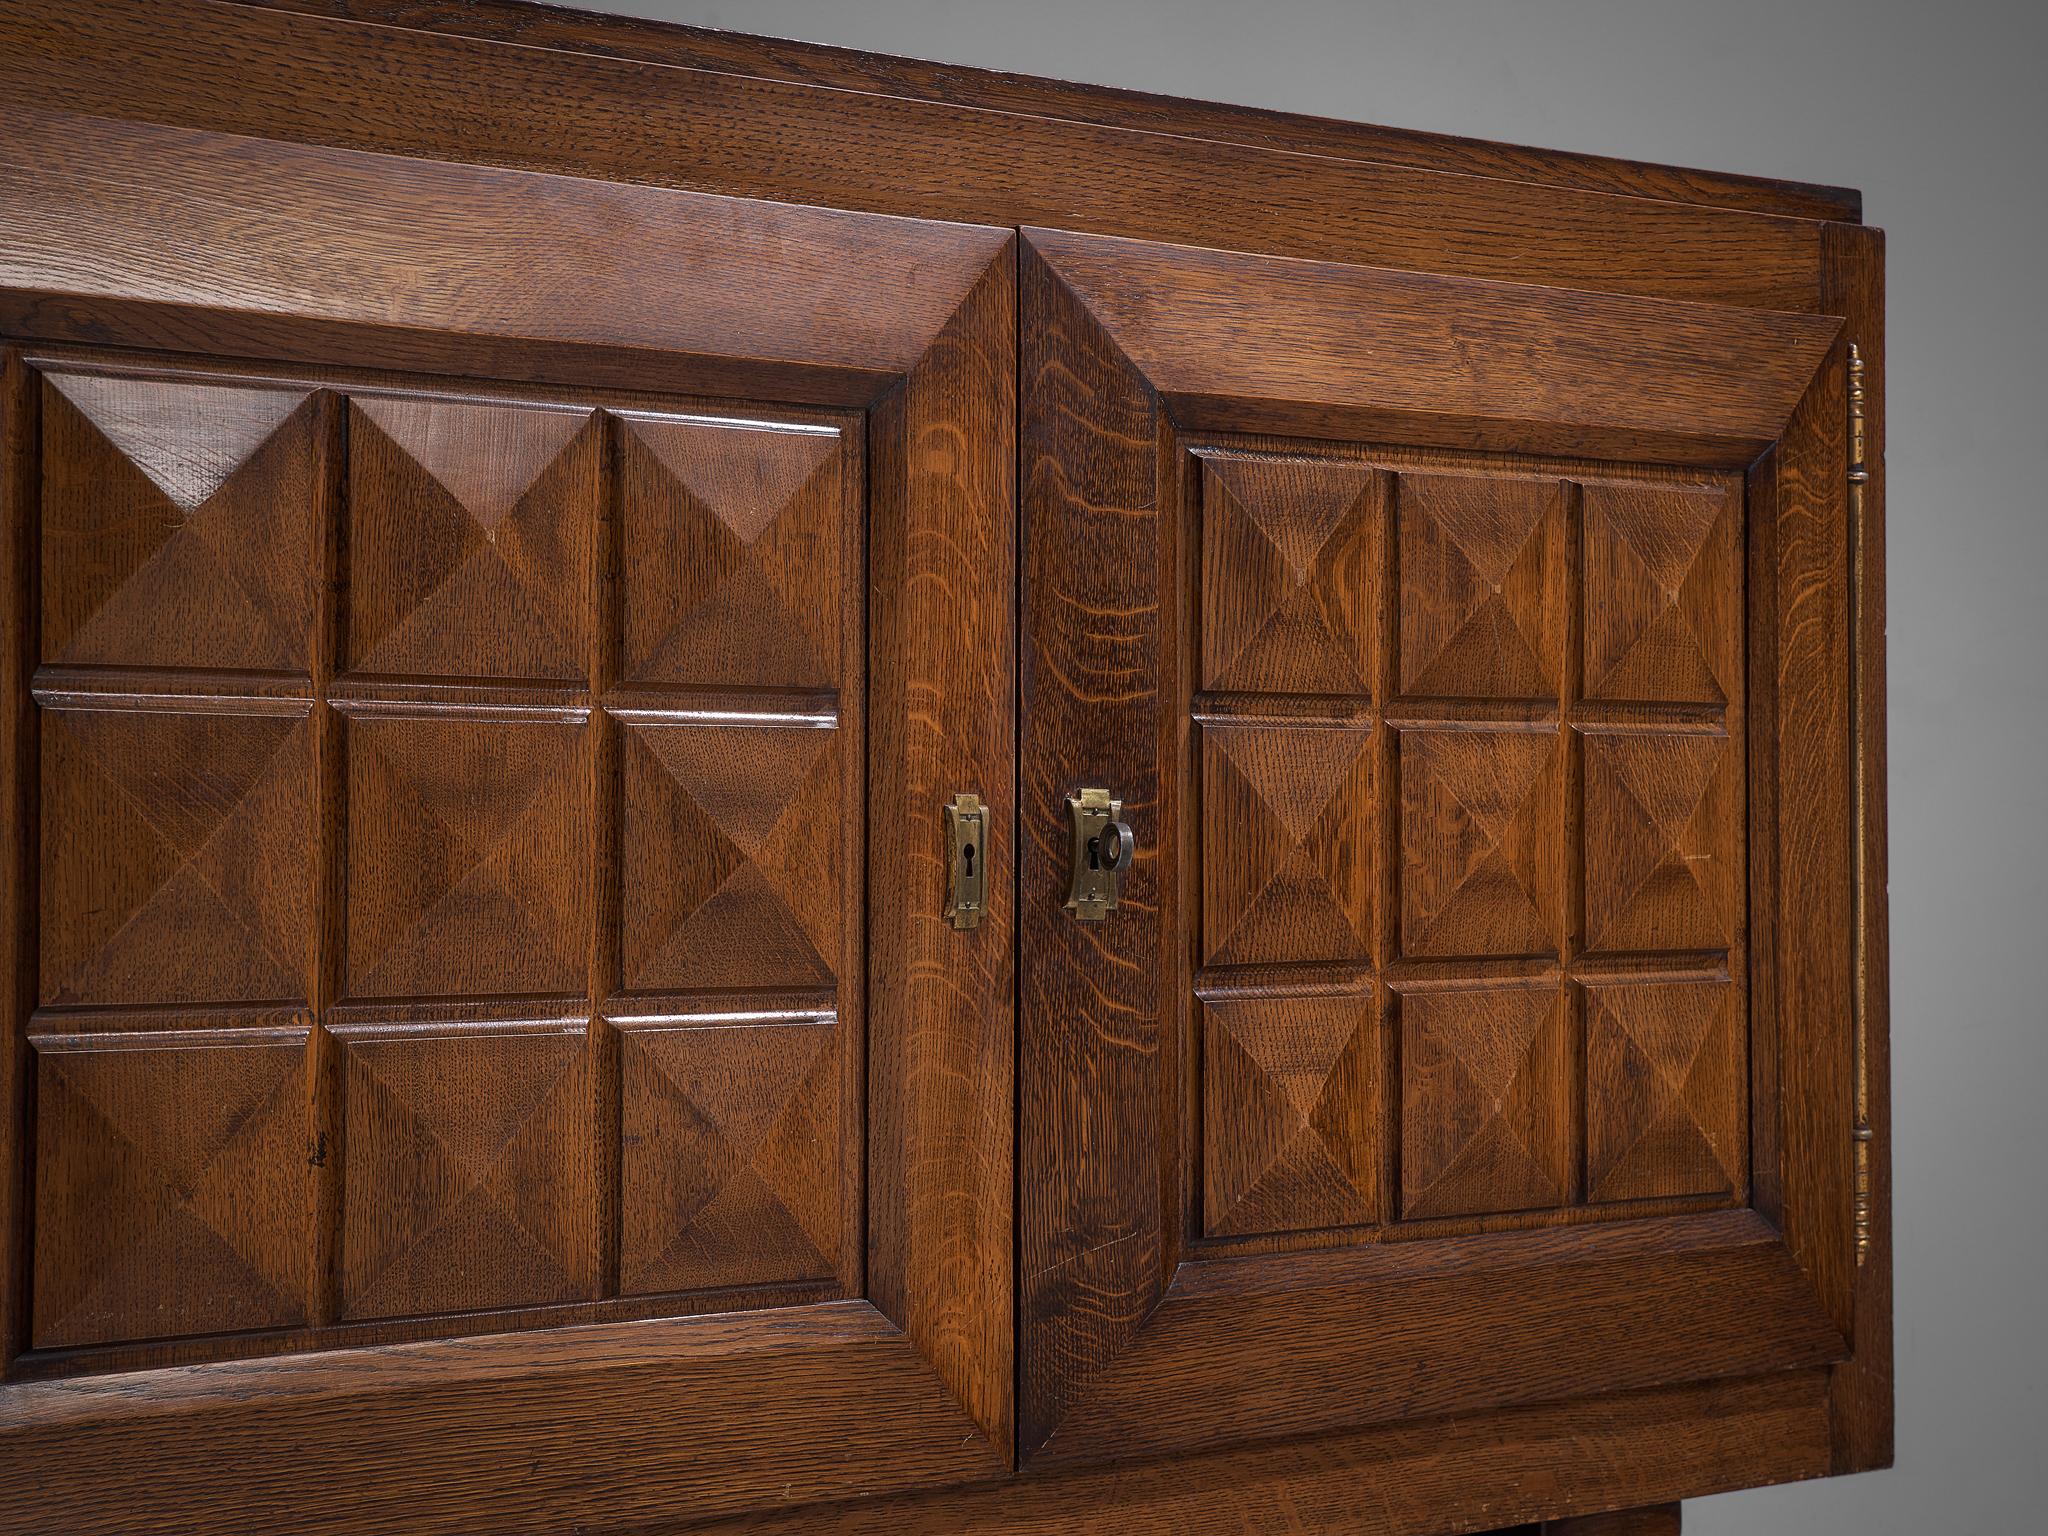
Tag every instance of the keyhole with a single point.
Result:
(1095, 853)
(967, 853)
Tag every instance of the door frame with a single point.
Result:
(191, 242)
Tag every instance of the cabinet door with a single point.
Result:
(470, 636)
(1476, 1027)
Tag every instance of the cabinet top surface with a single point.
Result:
(529, 24)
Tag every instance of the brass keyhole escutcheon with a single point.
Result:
(966, 861)
(1103, 847)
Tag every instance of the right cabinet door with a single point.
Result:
(1475, 1025)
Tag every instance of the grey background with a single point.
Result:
(1939, 113)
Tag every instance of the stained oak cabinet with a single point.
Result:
(519, 531)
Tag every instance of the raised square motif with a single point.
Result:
(176, 856)
(472, 528)
(173, 1188)
(732, 1167)
(469, 856)
(1664, 1090)
(1482, 842)
(733, 872)
(1485, 1101)
(737, 534)
(177, 522)
(1288, 589)
(1663, 840)
(1482, 605)
(1287, 864)
(469, 1180)
(1663, 593)
(1291, 1099)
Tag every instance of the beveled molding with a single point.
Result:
(1130, 1336)
(189, 245)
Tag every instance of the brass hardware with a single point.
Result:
(966, 861)
(1102, 851)
(1859, 477)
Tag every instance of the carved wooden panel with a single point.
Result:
(173, 855)
(470, 1181)
(1287, 580)
(1292, 1101)
(468, 867)
(732, 860)
(1287, 850)
(177, 523)
(1469, 762)
(731, 1174)
(472, 539)
(737, 532)
(1482, 586)
(1482, 842)
(390, 739)
(1486, 1087)
(1665, 1090)
(173, 1187)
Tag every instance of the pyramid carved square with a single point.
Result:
(176, 856)
(1664, 1090)
(471, 536)
(1291, 1097)
(1663, 593)
(1287, 865)
(173, 1188)
(732, 1173)
(470, 1168)
(177, 522)
(1663, 830)
(469, 856)
(1485, 1100)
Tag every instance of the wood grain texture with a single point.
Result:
(1093, 1243)
(1853, 280)
(418, 1435)
(422, 280)
(1482, 602)
(957, 85)
(20, 852)
(1662, 1520)
(1467, 1473)
(419, 95)
(942, 1039)
(1242, 342)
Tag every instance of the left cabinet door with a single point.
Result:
(470, 635)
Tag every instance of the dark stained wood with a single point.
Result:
(1853, 274)
(941, 1086)
(420, 283)
(1418, 1479)
(20, 754)
(265, 74)
(1351, 351)
(854, 70)
(807, 1404)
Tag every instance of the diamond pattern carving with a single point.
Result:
(732, 856)
(471, 530)
(468, 857)
(1287, 578)
(1482, 840)
(1291, 1098)
(1287, 859)
(731, 1173)
(173, 863)
(1664, 1093)
(1663, 594)
(1485, 1091)
(737, 537)
(177, 523)
(1482, 586)
(172, 1188)
(1662, 840)
(469, 1181)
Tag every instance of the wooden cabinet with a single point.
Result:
(514, 531)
